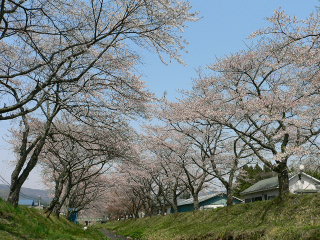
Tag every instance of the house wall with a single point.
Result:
(305, 183)
(213, 206)
(264, 195)
(185, 208)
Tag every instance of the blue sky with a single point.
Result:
(223, 28)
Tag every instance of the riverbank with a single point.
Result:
(28, 223)
(296, 218)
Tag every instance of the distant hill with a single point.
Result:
(28, 193)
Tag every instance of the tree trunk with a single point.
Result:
(228, 186)
(13, 197)
(195, 202)
(175, 204)
(17, 181)
(68, 213)
(59, 205)
(163, 210)
(229, 196)
(18, 177)
(174, 208)
(56, 212)
(57, 194)
(161, 207)
(283, 178)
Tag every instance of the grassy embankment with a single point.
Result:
(296, 218)
(25, 223)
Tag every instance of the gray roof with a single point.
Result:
(265, 184)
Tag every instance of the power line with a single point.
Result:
(6, 183)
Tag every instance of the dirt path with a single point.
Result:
(112, 236)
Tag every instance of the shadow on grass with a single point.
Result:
(13, 233)
(267, 209)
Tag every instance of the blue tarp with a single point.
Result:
(73, 217)
(26, 202)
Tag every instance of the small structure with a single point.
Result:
(26, 202)
(269, 188)
(73, 215)
(213, 200)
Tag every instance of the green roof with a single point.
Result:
(265, 184)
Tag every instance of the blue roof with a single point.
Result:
(26, 202)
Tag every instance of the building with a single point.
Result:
(269, 188)
(213, 200)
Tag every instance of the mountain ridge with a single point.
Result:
(28, 193)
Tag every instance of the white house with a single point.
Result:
(269, 188)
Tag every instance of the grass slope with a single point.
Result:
(296, 218)
(26, 223)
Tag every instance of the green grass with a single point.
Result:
(26, 223)
(298, 217)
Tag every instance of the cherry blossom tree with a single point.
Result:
(270, 103)
(85, 194)
(121, 201)
(94, 103)
(166, 174)
(76, 156)
(86, 105)
(77, 57)
(131, 192)
(28, 142)
(45, 43)
(222, 153)
(185, 159)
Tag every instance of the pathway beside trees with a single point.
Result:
(112, 236)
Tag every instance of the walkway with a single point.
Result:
(112, 236)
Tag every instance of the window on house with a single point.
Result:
(271, 197)
(256, 199)
(247, 200)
